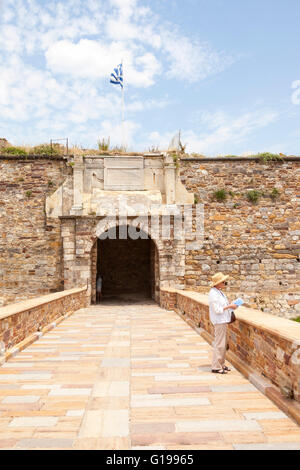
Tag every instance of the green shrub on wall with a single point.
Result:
(46, 149)
(274, 194)
(220, 195)
(104, 144)
(267, 157)
(253, 196)
(13, 151)
(43, 149)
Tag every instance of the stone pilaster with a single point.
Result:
(170, 180)
(69, 257)
(78, 185)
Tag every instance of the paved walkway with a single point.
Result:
(131, 377)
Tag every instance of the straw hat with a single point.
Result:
(217, 279)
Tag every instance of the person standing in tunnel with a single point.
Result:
(99, 288)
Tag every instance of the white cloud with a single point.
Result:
(93, 59)
(10, 39)
(56, 58)
(191, 60)
(221, 132)
(115, 132)
(131, 31)
(138, 105)
(125, 7)
(232, 132)
(295, 98)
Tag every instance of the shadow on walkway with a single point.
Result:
(126, 299)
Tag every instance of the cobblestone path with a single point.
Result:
(131, 377)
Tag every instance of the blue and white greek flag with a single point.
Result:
(117, 76)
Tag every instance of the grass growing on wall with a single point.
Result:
(269, 157)
(13, 151)
(43, 149)
(104, 144)
(220, 195)
(46, 149)
(296, 319)
(274, 194)
(253, 196)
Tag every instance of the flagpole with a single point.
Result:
(117, 79)
(123, 111)
(123, 118)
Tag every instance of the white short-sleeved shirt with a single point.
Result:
(99, 284)
(217, 301)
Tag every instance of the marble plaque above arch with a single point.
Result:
(124, 174)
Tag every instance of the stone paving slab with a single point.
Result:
(132, 377)
(278, 446)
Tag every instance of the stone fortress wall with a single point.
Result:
(30, 245)
(258, 244)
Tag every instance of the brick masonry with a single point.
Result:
(79, 239)
(30, 246)
(21, 320)
(257, 244)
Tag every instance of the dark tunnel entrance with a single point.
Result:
(129, 267)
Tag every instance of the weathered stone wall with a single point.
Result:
(257, 341)
(79, 238)
(19, 321)
(168, 299)
(257, 244)
(94, 264)
(154, 272)
(30, 246)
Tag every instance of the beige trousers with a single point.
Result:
(219, 345)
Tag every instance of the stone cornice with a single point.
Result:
(27, 158)
(239, 159)
(29, 304)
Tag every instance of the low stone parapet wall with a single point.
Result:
(168, 299)
(262, 346)
(29, 318)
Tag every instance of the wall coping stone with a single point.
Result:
(171, 290)
(24, 305)
(286, 329)
(28, 158)
(147, 155)
(238, 159)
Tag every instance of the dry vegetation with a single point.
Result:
(104, 148)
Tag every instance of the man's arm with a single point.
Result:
(231, 307)
(215, 301)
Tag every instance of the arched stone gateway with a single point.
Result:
(82, 245)
(128, 262)
(144, 194)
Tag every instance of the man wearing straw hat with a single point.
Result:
(220, 316)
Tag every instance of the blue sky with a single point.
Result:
(225, 72)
